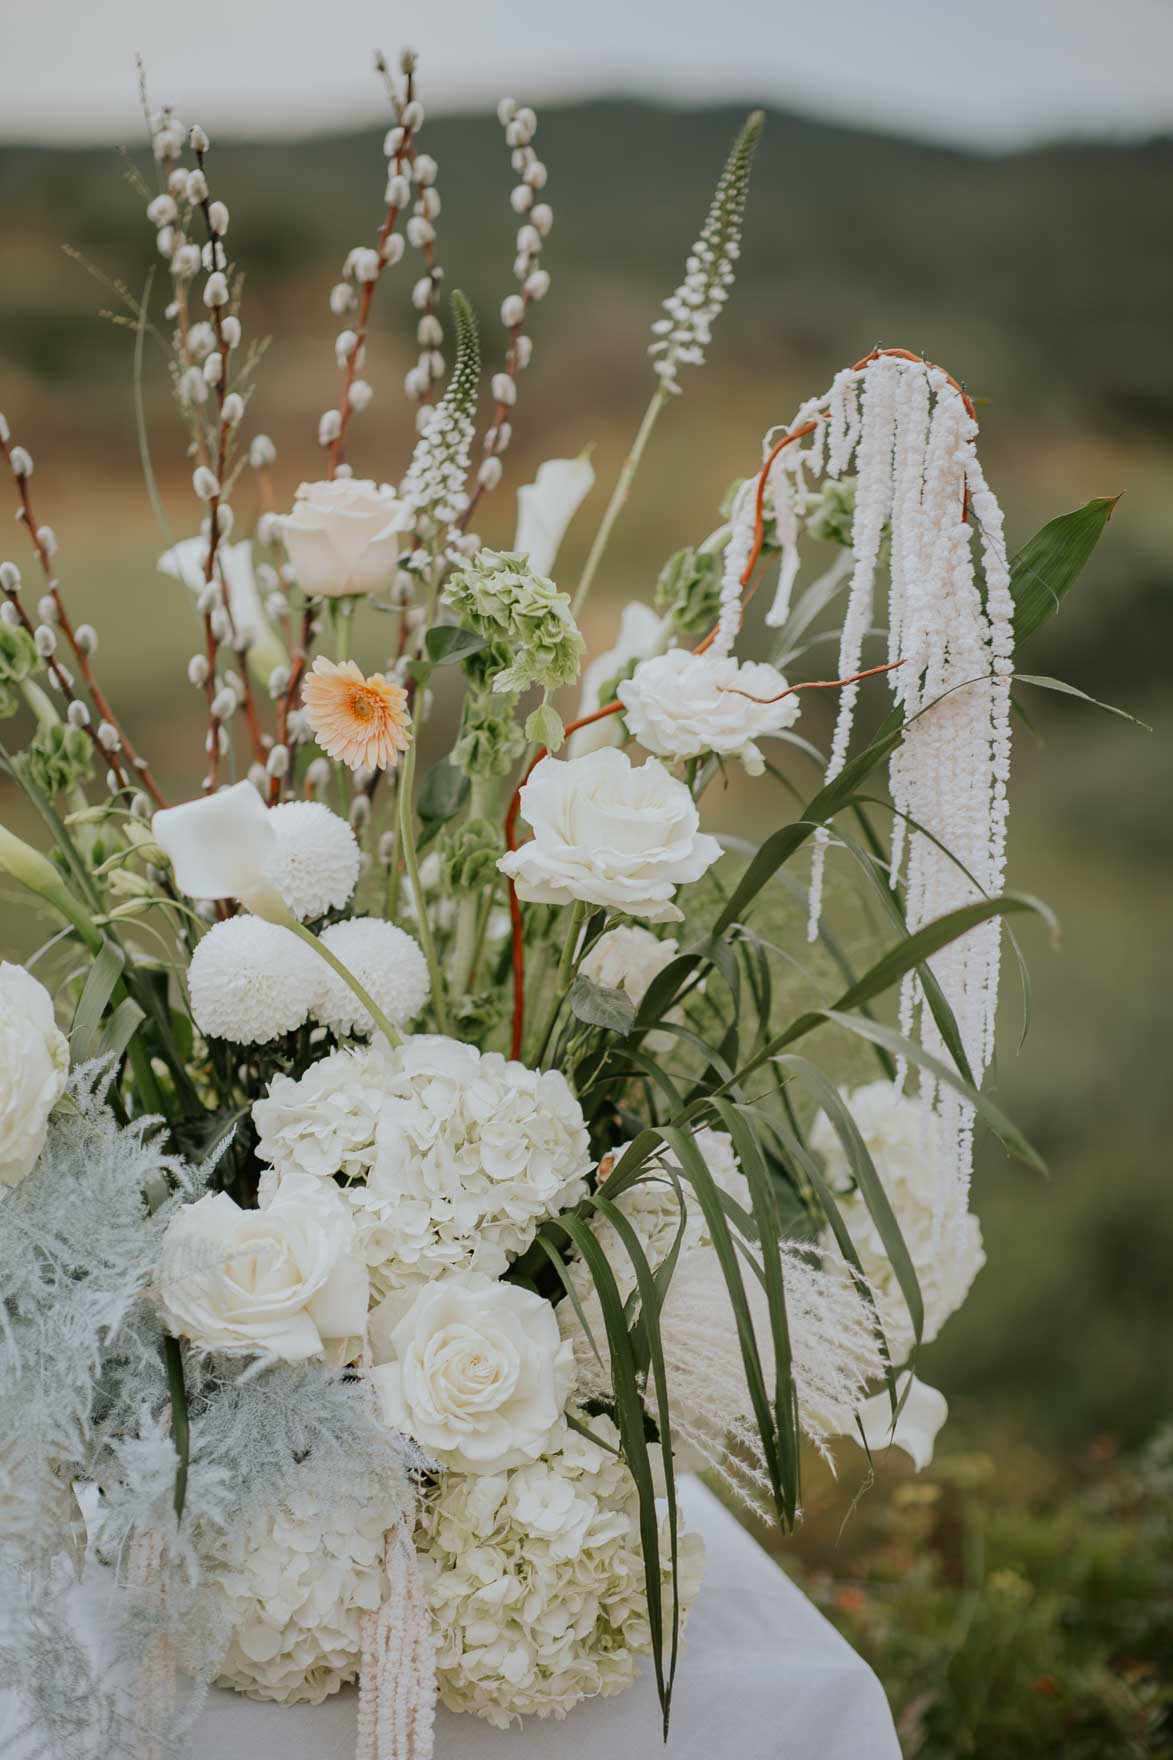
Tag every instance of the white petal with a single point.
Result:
(339, 1309)
(546, 507)
(217, 846)
(921, 1417)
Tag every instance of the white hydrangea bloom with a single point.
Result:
(535, 1579)
(315, 859)
(682, 705)
(456, 1156)
(323, 1122)
(294, 1583)
(386, 961)
(946, 1250)
(251, 980)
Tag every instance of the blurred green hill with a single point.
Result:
(1043, 280)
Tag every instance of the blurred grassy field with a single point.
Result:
(1043, 281)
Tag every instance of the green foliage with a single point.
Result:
(688, 590)
(829, 510)
(442, 793)
(1047, 567)
(469, 855)
(1015, 1620)
(490, 742)
(499, 596)
(19, 660)
(59, 758)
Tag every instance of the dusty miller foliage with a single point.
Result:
(84, 1402)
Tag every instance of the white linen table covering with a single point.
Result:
(762, 1676)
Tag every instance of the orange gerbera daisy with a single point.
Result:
(360, 721)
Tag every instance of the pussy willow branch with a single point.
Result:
(362, 321)
(97, 696)
(222, 385)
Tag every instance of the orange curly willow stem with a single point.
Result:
(759, 525)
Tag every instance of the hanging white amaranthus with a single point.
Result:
(910, 432)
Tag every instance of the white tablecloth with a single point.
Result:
(762, 1676)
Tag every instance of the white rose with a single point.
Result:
(478, 1373)
(280, 1280)
(343, 537)
(681, 704)
(628, 958)
(946, 1249)
(34, 1062)
(609, 833)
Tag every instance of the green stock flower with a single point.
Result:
(828, 512)
(490, 741)
(18, 661)
(469, 856)
(59, 758)
(688, 590)
(498, 595)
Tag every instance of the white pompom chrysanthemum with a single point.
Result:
(386, 961)
(315, 863)
(251, 981)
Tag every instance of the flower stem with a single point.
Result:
(618, 496)
(562, 979)
(411, 863)
(390, 1032)
(341, 626)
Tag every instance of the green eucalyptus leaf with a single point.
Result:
(449, 642)
(441, 795)
(600, 1006)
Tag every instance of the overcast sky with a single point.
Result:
(990, 72)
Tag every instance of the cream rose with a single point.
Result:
(343, 537)
(280, 1280)
(34, 1062)
(681, 704)
(609, 833)
(475, 1371)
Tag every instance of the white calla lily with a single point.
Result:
(187, 562)
(922, 1415)
(546, 507)
(220, 846)
(643, 633)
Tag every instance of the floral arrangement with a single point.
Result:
(435, 1164)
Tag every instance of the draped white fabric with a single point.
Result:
(762, 1676)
